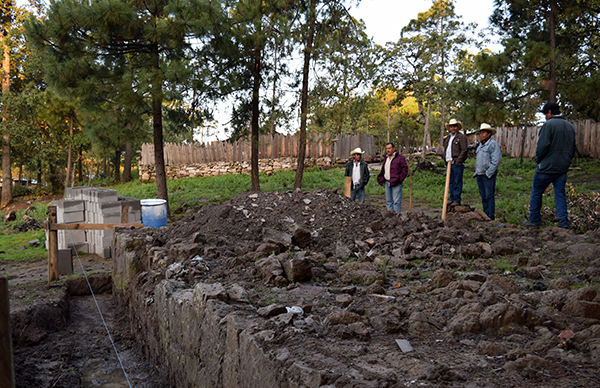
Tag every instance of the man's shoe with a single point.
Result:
(455, 204)
(529, 224)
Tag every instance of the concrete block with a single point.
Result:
(69, 205)
(80, 248)
(133, 203)
(105, 195)
(70, 218)
(65, 262)
(74, 236)
(102, 252)
(108, 207)
(135, 217)
(113, 218)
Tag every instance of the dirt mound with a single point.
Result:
(365, 277)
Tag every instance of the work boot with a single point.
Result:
(529, 224)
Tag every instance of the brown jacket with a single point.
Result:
(459, 148)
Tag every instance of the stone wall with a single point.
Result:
(196, 337)
(147, 173)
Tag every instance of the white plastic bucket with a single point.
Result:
(154, 212)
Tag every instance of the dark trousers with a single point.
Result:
(456, 182)
(540, 184)
(487, 188)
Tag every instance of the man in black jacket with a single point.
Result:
(359, 171)
(455, 151)
(553, 154)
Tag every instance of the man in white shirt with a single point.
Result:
(359, 171)
(455, 150)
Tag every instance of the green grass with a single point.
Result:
(9, 243)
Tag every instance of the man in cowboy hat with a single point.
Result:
(392, 174)
(486, 168)
(554, 151)
(359, 171)
(455, 151)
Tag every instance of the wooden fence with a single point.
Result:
(587, 139)
(277, 146)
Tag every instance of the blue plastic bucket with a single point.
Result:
(154, 212)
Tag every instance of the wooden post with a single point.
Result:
(7, 372)
(446, 191)
(347, 186)
(125, 214)
(52, 246)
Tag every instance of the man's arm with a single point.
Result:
(543, 143)
(495, 158)
(462, 146)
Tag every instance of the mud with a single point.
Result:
(59, 339)
(480, 304)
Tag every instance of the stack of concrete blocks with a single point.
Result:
(94, 206)
(70, 211)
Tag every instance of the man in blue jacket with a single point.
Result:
(553, 154)
(392, 174)
(486, 168)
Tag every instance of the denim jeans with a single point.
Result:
(540, 183)
(456, 182)
(360, 193)
(487, 188)
(393, 196)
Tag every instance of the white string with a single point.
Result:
(98, 307)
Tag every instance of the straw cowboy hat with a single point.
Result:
(357, 151)
(487, 127)
(454, 122)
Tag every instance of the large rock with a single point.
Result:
(443, 277)
(500, 314)
(506, 284)
(504, 246)
(586, 293)
(585, 251)
(582, 308)
(281, 239)
(301, 237)
(344, 317)
(297, 270)
(421, 322)
(269, 268)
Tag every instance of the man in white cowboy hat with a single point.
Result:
(455, 151)
(486, 168)
(359, 171)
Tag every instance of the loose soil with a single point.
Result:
(482, 305)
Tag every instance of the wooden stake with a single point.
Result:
(446, 189)
(52, 246)
(7, 371)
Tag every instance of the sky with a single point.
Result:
(385, 19)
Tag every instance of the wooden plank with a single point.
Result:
(7, 369)
(52, 247)
(54, 227)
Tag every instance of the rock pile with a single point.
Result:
(469, 296)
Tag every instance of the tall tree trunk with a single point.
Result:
(552, 26)
(39, 176)
(6, 165)
(442, 123)
(388, 123)
(426, 136)
(118, 165)
(254, 118)
(274, 92)
(69, 153)
(80, 164)
(159, 156)
(127, 162)
(304, 98)
(104, 167)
